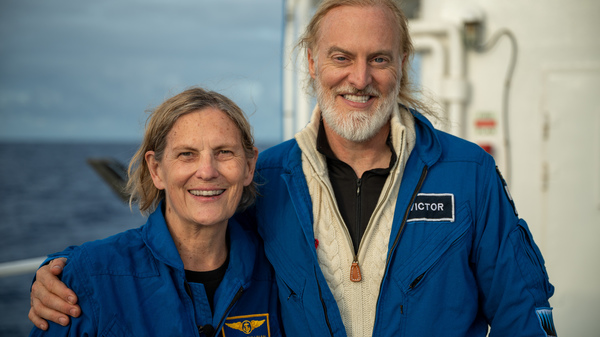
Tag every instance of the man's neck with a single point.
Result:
(364, 156)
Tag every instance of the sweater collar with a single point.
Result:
(324, 148)
(307, 138)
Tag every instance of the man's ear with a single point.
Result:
(311, 62)
(155, 171)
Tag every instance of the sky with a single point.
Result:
(78, 70)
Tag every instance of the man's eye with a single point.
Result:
(340, 58)
(379, 60)
(185, 154)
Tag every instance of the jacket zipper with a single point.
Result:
(419, 278)
(235, 299)
(416, 281)
(412, 200)
(397, 239)
(324, 306)
(208, 330)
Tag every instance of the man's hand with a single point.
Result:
(50, 298)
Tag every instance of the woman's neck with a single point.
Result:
(201, 248)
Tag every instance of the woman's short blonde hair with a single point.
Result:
(140, 185)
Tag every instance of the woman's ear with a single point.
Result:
(155, 170)
(251, 167)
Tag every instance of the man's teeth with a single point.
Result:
(206, 193)
(358, 99)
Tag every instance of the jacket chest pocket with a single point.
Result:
(428, 246)
(292, 306)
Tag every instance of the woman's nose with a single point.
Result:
(207, 167)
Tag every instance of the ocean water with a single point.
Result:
(50, 198)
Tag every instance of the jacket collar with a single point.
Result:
(157, 237)
(428, 146)
(242, 251)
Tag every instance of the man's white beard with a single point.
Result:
(355, 126)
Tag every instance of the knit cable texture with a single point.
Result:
(357, 301)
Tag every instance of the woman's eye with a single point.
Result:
(186, 155)
(225, 153)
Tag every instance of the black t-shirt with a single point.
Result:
(210, 279)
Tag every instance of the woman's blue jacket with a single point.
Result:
(133, 284)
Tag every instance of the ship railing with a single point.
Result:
(19, 267)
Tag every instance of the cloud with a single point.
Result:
(71, 69)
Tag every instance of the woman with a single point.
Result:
(190, 268)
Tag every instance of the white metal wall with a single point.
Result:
(554, 123)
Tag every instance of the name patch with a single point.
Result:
(247, 326)
(432, 207)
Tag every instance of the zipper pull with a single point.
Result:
(355, 275)
(206, 330)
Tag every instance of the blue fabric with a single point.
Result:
(446, 275)
(133, 284)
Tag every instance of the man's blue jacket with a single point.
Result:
(459, 258)
(133, 284)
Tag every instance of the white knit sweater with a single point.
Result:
(357, 301)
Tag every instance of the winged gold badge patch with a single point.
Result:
(245, 326)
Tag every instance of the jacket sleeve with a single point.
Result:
(512, 279)
(65, 253)
(78, 281)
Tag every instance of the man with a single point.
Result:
(375, 222)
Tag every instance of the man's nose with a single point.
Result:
(360, 75)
